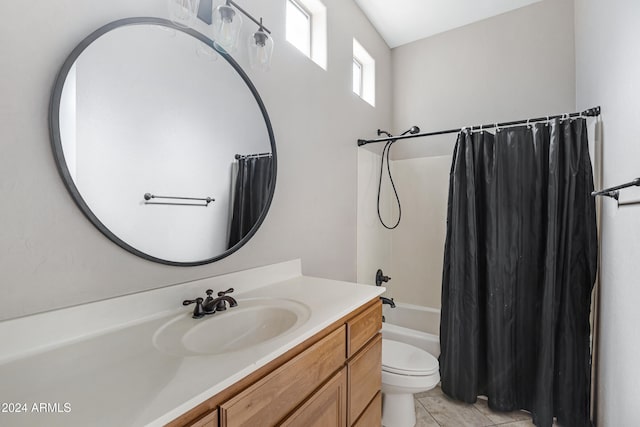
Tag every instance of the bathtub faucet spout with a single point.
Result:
(389, 301)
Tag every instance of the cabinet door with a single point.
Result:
(326, 408)
(372, 416)
(364, 377)
(271, 399)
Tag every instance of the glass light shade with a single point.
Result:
(260, 50)
(226, 27)
(183, 12)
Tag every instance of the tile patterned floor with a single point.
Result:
(434, 409)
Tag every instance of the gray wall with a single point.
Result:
(608, 74)
(51, 256)
(509, 67)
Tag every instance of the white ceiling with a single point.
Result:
(403, 21)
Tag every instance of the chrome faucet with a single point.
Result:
(211, 305)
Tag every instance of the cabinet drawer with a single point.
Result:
(361, 328)
(326, 408)
(372, 416)
(208, 420)
(269, 400)
(364, 377)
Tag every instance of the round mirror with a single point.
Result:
(163, 142)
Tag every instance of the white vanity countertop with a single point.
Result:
(96, 375)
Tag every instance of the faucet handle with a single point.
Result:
(198, 312)
(380, 277)
(223, 293)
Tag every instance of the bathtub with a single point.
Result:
(413, 324)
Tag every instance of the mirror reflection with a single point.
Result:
(168, 149)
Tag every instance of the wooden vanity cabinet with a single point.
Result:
(372, 416)
(364, 367)
(275, 396)
(331, 379)
(207, 420)
(326, 407)
(364, 377)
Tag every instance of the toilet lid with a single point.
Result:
(405, 359)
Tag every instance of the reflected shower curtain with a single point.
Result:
(519, 267)
(252, 189)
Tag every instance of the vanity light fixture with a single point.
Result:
(226, 24)
(183, 12)
(260, 49)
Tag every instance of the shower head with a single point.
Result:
(413, 130)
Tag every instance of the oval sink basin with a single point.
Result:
(252, 322)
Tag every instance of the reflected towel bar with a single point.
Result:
(614, 192)
(149, 196)
(252, 156)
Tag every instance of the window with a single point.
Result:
(299, 27)
(364, 74)
(357, 77)
(307, 28)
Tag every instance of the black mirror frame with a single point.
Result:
(56, 142)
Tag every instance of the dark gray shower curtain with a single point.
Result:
(519, 267)
(252, 190)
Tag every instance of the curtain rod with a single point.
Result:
(591, 112)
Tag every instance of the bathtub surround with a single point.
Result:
(52, 257)
(418, 242)
(374, 242)
(422, 185)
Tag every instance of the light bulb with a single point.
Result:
(226, 27)
(260, 50)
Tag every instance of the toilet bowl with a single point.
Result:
(406, 370)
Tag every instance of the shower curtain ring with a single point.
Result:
(528, 124)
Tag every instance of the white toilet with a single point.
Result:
(406, 370)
